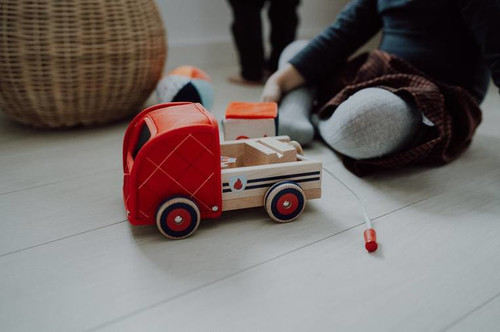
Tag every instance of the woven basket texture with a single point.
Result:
(73, 62)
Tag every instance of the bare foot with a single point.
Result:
(238, 79)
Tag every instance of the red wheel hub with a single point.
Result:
(179, 220)
(287, 204)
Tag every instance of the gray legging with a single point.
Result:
(371, 123)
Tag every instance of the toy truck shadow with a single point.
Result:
(176, 172)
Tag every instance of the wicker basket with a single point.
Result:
(65, 63)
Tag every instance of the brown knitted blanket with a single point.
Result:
(452, 109)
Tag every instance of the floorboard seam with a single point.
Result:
(447, 328)
(59, 239)
(55, 182)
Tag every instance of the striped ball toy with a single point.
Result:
(186, 83)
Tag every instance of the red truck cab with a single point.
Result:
(170, 163)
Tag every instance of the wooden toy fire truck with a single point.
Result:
(176, 171)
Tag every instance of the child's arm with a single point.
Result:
(282, 81)
(483, 19)
(355, 25)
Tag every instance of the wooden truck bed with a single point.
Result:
(259, 164)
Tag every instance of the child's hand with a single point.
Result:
(272, 90)
(282, 81)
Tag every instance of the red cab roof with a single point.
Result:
(179, 116)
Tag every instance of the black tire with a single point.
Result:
(178, 218)
(285, 201)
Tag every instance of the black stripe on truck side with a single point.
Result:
(280, 177)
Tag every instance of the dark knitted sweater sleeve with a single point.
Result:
(483, 20)
(355, 25)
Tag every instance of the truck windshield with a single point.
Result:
(144, 136)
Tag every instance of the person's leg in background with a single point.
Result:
(284, 22)
(247, 35)
(372, 123)
(295, 107)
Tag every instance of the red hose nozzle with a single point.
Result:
(370, 239)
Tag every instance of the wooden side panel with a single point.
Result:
(249, 184)
(255, 201)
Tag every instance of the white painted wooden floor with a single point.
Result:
(69, 260)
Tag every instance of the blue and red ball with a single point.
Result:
(186, 83)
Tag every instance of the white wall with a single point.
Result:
(201, 21)
(198, 29)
